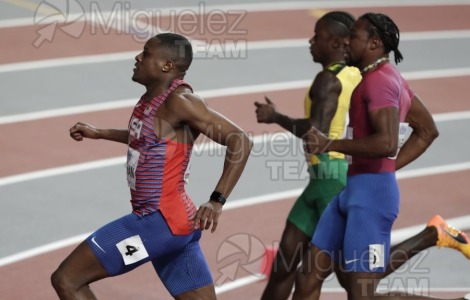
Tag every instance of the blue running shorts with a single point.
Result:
(131, 241)
(355, 228)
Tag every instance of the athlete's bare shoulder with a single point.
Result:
(185, 105)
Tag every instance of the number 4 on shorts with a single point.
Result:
(132, 249)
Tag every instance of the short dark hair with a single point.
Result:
(179, 49)
(340, 22)
(387, 30)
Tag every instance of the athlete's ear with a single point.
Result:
(376, 42)
(337, 42)
(168, 66)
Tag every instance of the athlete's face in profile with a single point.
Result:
(320, 42)
(358, 43)
(149, 63)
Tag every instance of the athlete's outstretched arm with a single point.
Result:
(324, 93)
(193, 111)
(424, 133)
(267, 113)
(83, 130)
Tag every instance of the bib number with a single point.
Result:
(132, 250)
(376, 256)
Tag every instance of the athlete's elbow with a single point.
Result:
(427, 135)
(249, 144)
(241, 144)
(388, 149)
(390, 152)
(431, 135)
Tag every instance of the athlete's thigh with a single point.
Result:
(293, 246)
(293, 240)
(184, 270)
(372, 209)
(310, 205)
(329, 235)
(131, 241)
(302, 213)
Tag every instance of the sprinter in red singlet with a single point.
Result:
(164, 226)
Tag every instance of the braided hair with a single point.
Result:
(341, 22)
(388, 32)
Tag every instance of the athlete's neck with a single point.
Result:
(374, 65)
(158, 88)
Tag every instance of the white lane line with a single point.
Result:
(103, 163)
(451, 116)
(406, 36)
(429, 171)
(272, 197)
(43, 249)
(223, 92)
(254, 45)
(69, 61)
(463, 222)
(238, 283)
(249, 7)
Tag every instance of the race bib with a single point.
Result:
(376, 256)
(402, 137)
(132, 249)
(132, 162)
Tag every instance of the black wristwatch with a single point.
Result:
(218, 197)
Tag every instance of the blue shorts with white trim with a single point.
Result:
(131, 241)
(356, 226)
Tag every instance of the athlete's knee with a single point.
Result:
(60, 282)
(287, 259)
(362, 286)
(64, 284)
(306, 285)
(282, 268)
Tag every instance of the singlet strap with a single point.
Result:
(157, 101)
(336, 67)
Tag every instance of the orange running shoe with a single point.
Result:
(451, 237)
